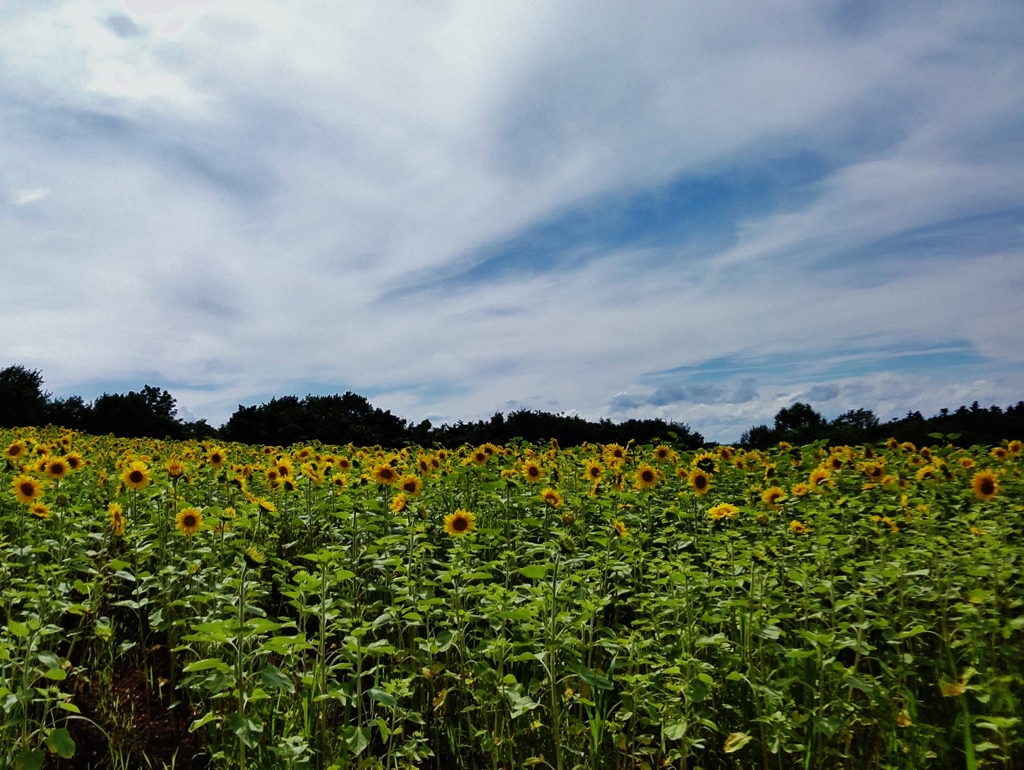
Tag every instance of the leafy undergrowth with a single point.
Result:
(192, 605)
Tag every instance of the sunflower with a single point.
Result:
(479, 457)
(620, 528)
(26, 489)
(216, 457)
(773, 496)
(705, 462)
(14, 451)
(785, 446)
(927, 473)
(343, 464)
(290, 485)
(39, 510)
(966, 462)
(385, 474)
(459, 523)
(254, 557)
(551, 497)
(189, 521)
(265, 504)
(999, 453)
(985, 485)
(873, 470)
(725, 453)
(1014, 447)
(116, 515)
(699, 481)
(57, 468)
(399, 502)
(593, 471)
(614, 454)
(798, 527)
(532, 471)
(312, 472)
(136, 475)
(800, 489)
(820, 477)
(284, 467)
(175, 468)
(411, 484)
(722, 511)
(662, 453)
(646, 476)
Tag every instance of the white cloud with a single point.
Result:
(241, 200)
(23, 197)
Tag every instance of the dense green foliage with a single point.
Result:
(604, 607)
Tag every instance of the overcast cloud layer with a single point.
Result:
(701, 212)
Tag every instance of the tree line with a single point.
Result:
(336, 419)
(350, 418)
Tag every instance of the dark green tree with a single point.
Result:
(22, 400)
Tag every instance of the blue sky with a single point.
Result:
(698, 212)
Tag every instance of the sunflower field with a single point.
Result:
(200, 605)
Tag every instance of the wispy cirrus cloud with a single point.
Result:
(693, 213)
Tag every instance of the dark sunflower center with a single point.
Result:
(460, 524)
(189, 521)
(647, 476)
(136, 477)
(987, 486)
(27, 489)
(700, 482)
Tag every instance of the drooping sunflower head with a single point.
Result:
(398, 502)
(985, 485)
(797, 527)
(800, 489)
(189, 521)
(646, 476)
(620, 528)
(551, 497)
(699, 481)
(26, 489)
(254, 557)
(39, 510)
(927, 473)
(116, 515)
(135, 475)
(459, 523)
